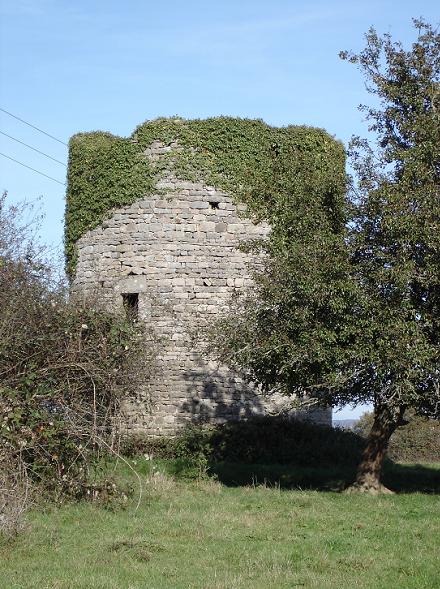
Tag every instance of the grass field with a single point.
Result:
(205, 534)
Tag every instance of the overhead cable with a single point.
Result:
(33, 148)
(33, 126)
(33, 169)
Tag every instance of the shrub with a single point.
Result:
(266, 440)
(64, 368)
(418, 441)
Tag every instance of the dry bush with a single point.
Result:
(159, 482)
(14, 496)
(64, 369)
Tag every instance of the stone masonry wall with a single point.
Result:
(178, 250)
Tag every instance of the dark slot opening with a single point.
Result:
(131, 305)
(213, 204)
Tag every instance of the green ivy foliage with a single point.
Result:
(236, 155)
(104, 172)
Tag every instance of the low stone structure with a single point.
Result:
(173, 259)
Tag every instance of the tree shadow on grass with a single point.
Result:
(401, 478)
(412, 478)
(283, 476)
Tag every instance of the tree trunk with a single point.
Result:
(368, 478)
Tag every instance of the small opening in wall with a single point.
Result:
(131, 305)
(213, 204)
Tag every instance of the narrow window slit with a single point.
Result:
(131, 305)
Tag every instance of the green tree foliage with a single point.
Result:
(350, 313)
(396, 237)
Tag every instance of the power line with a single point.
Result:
(33, 126)
(33, 169)
(33, 148)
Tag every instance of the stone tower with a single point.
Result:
(172, 258)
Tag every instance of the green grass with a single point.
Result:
(205, 534)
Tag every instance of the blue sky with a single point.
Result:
(77, 66)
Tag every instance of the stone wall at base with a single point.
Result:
(177, 253)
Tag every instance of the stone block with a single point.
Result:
(199, 205)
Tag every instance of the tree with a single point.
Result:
(418, 441)
(396, 238)
(348, 315)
